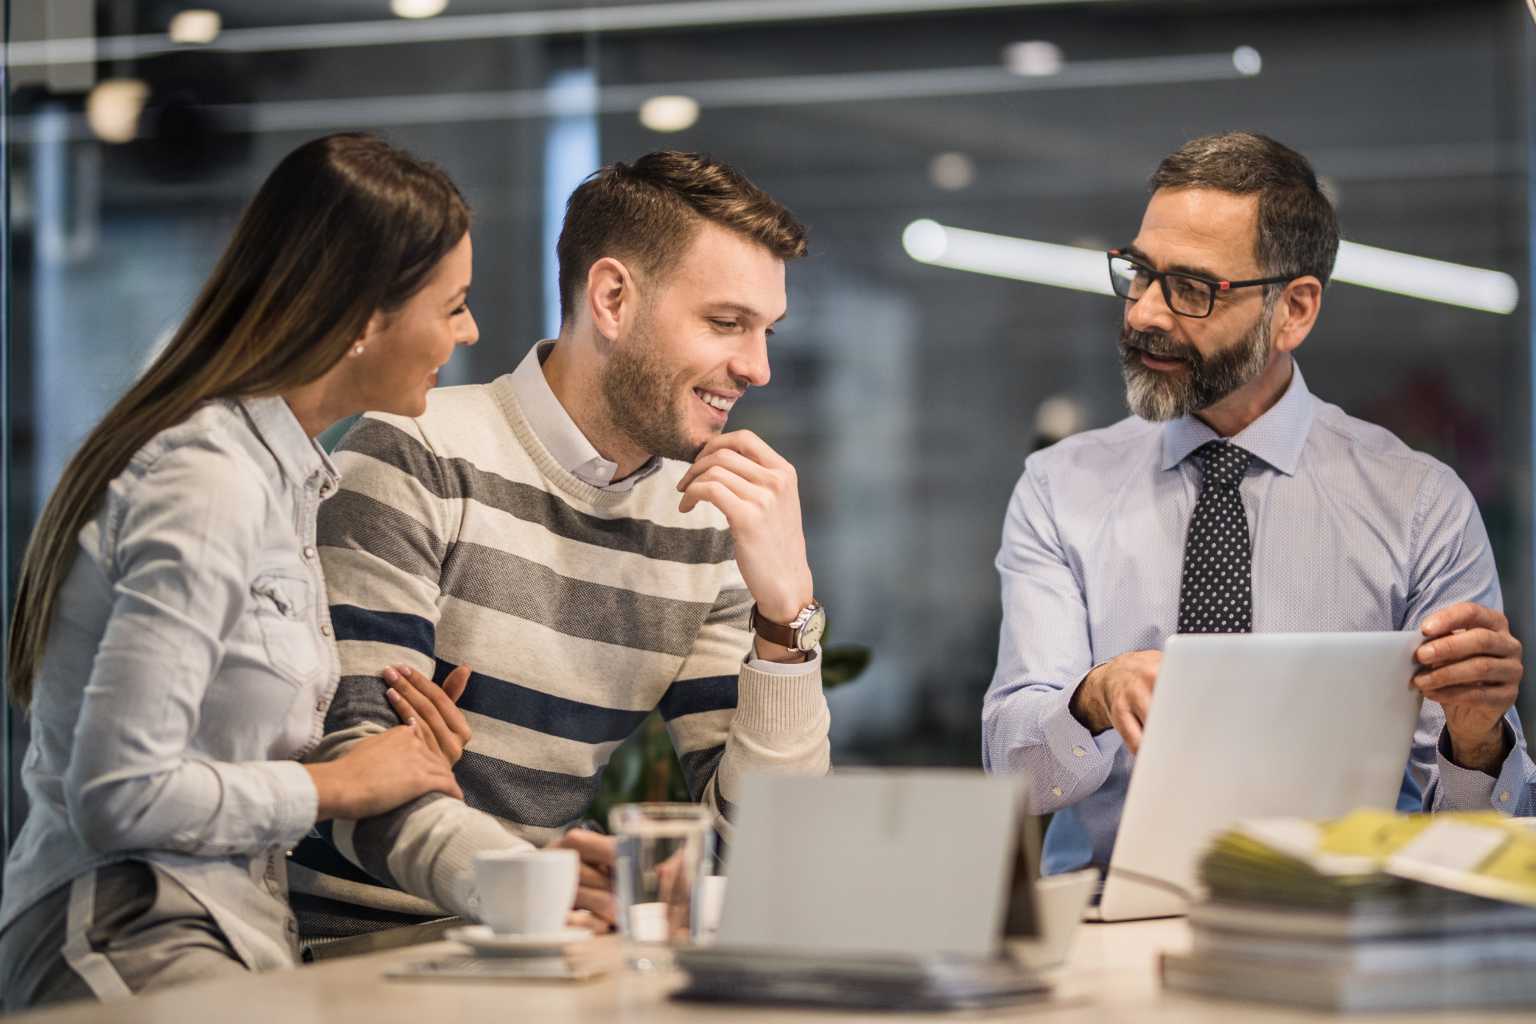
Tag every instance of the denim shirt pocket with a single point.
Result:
(283, 608)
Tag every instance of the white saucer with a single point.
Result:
(482, 940)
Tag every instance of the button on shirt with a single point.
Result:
(187, 670)
(1351, 530)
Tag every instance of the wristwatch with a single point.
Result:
(802, 634)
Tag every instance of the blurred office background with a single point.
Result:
(907, 392)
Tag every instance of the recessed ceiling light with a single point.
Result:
(417, 8)
(952, 171)
(113, 107)
(1060, 416)
(1033, 59)
(195, 27)
(669, 113)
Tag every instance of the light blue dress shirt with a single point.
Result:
(1351, 530)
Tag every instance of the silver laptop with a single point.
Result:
(1309, 725)
(890, 889)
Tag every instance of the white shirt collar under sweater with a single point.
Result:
(559, 433)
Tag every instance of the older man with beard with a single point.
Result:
(586, 534)
(1233, 500)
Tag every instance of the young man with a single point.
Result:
(1117, 538)
(586, 536)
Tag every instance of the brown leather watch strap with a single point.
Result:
(773, 632)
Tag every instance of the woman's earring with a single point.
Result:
(357, 349)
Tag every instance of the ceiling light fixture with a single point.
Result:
(1033, 59)
(570, 19)
(952, 171)
(980, 252)
(417, 9)
(1420, 277)
(195, 27)
(1066, 266)
(113, 107)
(669, 113)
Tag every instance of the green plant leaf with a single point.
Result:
(843, 664)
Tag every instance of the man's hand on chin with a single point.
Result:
(757, 491)
(1471, 667)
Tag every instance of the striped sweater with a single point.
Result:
(458, 539)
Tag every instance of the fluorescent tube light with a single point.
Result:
(1064, 266)
(568, 20)
(1419, 277)
(1068, 266)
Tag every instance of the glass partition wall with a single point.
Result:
(906, 388)
(11, 739)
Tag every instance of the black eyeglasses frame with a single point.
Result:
(1218, 286)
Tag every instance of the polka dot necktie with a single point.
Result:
(1216, 595)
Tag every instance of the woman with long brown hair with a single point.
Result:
(171, 634)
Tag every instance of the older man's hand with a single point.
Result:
(1471, 668)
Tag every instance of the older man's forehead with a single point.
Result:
(1200, 230)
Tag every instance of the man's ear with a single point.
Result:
(1297, 311)
(610, 288)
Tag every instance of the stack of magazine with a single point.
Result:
(1373, 911)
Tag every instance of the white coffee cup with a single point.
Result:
(526, 892)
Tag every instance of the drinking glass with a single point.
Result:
(663, 849)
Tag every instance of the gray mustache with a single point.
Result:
(1155, 346)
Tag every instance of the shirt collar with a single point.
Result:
(553, 426)
(1277, 437)
(299, 457)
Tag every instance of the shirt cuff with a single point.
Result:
(787, 668)
(1467, 789)
(296, 802)
(771, 701)
(1075, 748)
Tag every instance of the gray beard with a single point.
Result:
(1166, 396)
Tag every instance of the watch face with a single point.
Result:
(810, 633)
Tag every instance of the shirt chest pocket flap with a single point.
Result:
(283, 607)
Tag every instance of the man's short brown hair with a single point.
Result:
(1298, 231)
(647, 212)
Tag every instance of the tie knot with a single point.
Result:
(1222, 463)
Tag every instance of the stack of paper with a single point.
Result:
(1374, 911)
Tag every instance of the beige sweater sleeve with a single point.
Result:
(730, 716)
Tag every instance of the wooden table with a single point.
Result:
(1111, 976)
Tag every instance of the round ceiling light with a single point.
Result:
(195, 27)
(1033, 59)
(952, 171)
(113, 107)
(417, 8)
(669, 113)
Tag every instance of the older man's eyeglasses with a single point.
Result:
(1186, 294)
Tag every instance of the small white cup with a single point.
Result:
(708, 902)
(526, 892)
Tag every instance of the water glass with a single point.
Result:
(663, 849)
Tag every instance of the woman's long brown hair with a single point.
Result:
(346, 226)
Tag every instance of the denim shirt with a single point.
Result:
(188, 669)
